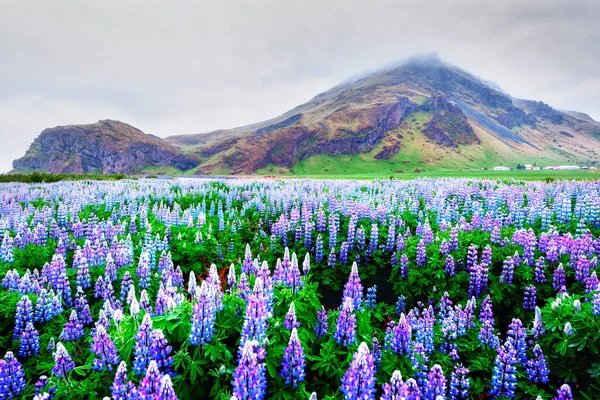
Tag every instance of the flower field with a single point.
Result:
(249, 289)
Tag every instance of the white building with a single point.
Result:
(501, 169)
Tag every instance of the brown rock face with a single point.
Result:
(107, 147)
(448, 126)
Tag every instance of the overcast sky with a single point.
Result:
(173, 67)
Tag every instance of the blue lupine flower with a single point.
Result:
(141, 349)
(73, 329)
(12, 377)
(359, 380)
(516, 334)
(371, 301)
(322, 325)
(398, 336)
(150, 384)
(29, 345)
(23, 315)
(459, 383)
(249, 380)
(345, 330)
(166, 390)
(400, 305)
(421, 257)
(255, 319)
(536, 368)
(293, 361)
(504, 378)
(564, 393)
(529, 301)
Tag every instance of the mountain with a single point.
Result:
(423, 113)
(108, 147)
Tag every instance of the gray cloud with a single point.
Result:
(189, 66)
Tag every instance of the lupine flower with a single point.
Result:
(596, 303)
(231, 278)
(73, 329)
(249, 380)
(421, 257)
(345, 330)
(359, 380)
(504, 379)
(121, 388)
(395, 390)
(400, 305)
(166, 390)
(203, 318)
(293, 361)
(537, 371)
(23, 315)
(353, 288)
(559, 279)
(564, 393)
(160, 351)
(150, 384)
(321, 326)
(29, 345)
(371, 301)
(12, 377)
(413, 392)
(529, 301)
(450, 266)
(141, 349)
(508, 270)
(62, 361)
(255, 319)
(290, 319)
(104, 349)
(404, 266)
(398, 336)
(436, 383)
(516, 335)
(459, 383)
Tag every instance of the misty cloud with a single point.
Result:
(188, 66)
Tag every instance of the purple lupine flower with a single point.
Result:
(231, 278)
(508, 270)
(293, 361)
(322, 325)
(353, 288)
(516, 335)
(23, 315)
(83, 277)
(540, 271)
(537, 371)
(398, 336)
(62, 361)
(331, 259)
(450, 266)
(436, 383)
(459, 383)
(413, 392)
(150, 384)
(419, 360)
(249, 380)
(359, 380)
(421, 257)
(141, 349)
(104, 350)
(559, 278)
(376, 352)
(475, 280)
(248, 265)
(82, 307)
(143, 270)
(345, 330)
(122, 388)
(529, 300)
(203, 318)
(73, 329)
(319, 249)
(29, 345)
(166, 390)
(504, 379)
(596, 303)
(12, 377)
(395, 390)
(290, 319)
(243, 287)
(160, 351)
(564, 393)
(404, 266)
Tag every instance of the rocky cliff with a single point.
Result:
(107, 147)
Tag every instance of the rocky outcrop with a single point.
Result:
(449, 126)
(107, 147)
